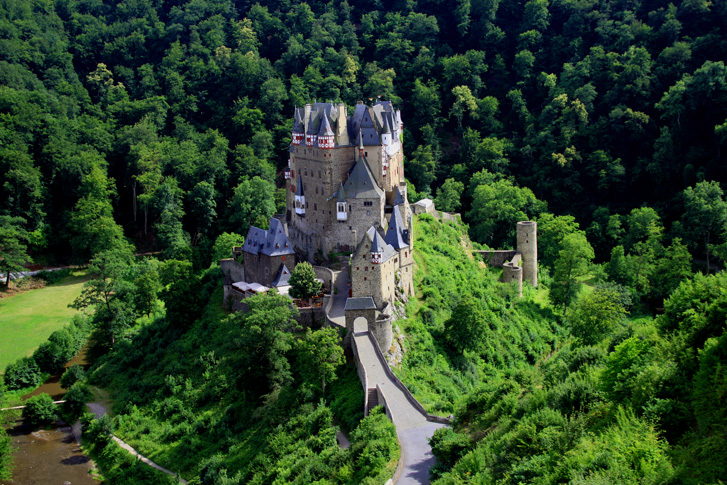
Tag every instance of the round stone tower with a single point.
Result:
(527, 246)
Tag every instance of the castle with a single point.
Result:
(346, 193)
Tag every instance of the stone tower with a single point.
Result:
(527, 246)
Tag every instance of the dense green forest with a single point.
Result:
(141, 125)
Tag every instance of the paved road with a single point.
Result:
(338, 309)
(412, 426)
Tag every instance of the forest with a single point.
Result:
(140, 126)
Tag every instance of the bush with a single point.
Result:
(52, 277)
(22, 373)
(449, 446)
(39, 410)
(98, 430)
(72, 375)
(76, 398)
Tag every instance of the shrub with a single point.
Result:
(98, 430)
(76, 398)
(40, 410)
(449, 446)
(72, 375)
(52, 277)
(22, 373)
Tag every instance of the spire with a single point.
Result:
(387, 129)
(341, 194)
(297, 122)
(398, 198)
(377, 248)
(325, 127)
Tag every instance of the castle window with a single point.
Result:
(365, 278)
(349, 210)
(366, 154)
(366, 268)
(283, 258)
(267, 271)
(315, 207)
(406, 253)
(357, 268)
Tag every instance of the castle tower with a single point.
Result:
(527, 246)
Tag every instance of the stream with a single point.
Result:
(49, 456)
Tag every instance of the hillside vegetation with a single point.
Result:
(235, 399)
(134, 126)
(537, 399)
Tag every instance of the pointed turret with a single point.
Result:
(398, 198)
(341, 212)
(397, 235)
(377, 248)
(325, 133)
(298, 127)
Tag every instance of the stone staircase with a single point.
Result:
(372, 399)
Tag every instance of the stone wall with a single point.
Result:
(328, 277)
(233, 269)
(497, 258)
(312, 317)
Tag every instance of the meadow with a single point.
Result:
(27, 319)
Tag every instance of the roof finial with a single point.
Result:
(360, 144)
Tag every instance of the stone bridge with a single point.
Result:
(413, 424)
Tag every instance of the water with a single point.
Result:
(52, 386)
(49, 456)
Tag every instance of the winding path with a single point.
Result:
(412, 427)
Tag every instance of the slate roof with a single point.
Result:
(361, 183)
(325, 126)
(398, 198)
(298, 121)
(360, 303)
(368, 122)
(273, 242)
(377, 241)
(283, 276)
(339, 195)
(396, 235)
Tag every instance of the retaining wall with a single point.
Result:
(400, 385)
(497, 257)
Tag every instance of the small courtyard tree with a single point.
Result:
(303, 281)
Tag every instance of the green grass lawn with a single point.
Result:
(27, 319)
